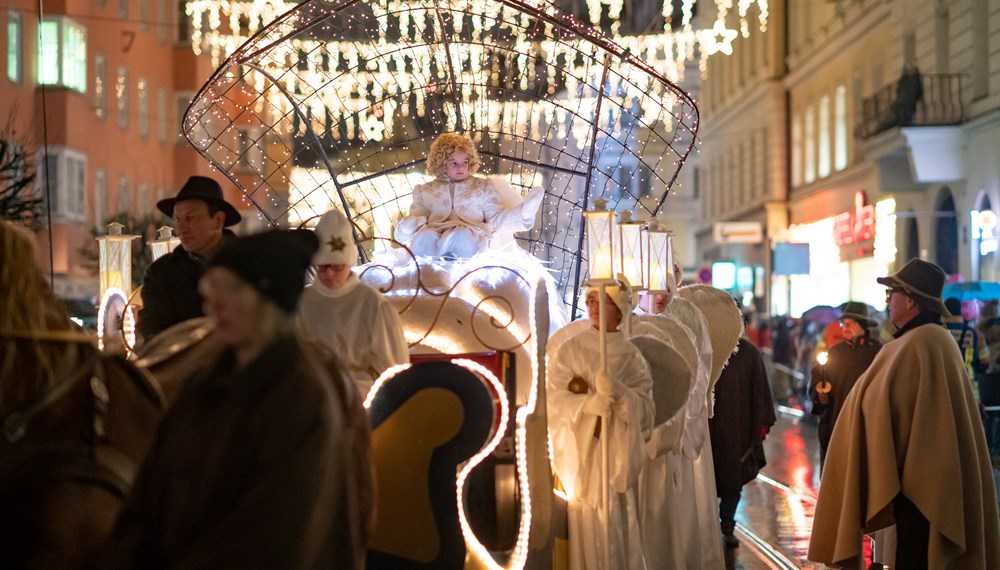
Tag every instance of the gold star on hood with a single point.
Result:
(336, 244)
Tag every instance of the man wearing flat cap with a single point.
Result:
(170, 286)
(908, 448)
(830, 383)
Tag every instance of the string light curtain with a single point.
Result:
(336, 103)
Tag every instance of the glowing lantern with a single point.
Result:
(164, 243)
(657, 254)
(628, 250)
(116, 259)
(600, 241)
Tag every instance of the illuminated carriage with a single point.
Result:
(335, 104)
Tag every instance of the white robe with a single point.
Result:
(357, 323)
(459, 217)
(692, 472)
(577, 453)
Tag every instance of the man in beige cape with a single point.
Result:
(908, 447)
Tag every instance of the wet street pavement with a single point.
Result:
(775, 515)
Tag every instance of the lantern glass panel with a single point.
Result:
(629, 254)
(600, 257)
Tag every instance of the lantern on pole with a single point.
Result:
(600, 241)
(658, 258)
(628, 250)
(115, 320)
(164, 243)
(116, 259)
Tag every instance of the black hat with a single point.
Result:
(205, 189)
(857, 312)
(921, 280)
(274, 263)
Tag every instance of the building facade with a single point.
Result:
(892, 111)
(95, 91)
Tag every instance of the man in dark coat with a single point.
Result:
(744, 412)
(250, 468)
(845, 362)
(170, 286)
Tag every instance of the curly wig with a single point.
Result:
(442, 149)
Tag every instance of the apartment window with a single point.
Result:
(161, 114)
(823, 160)
(124, 200)
(796, 150)
(62, 53)
(143, 200)
(100, 200)
(123, 9)
(121, 94)
(100, 86)
(162, 25)
(183, 23)
(142, 88)
(809, 159)
(15, 57)
(143, 14)
(251, 155)
(181, 102)
(840, 128)
(65, 177)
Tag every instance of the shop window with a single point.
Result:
(15, 34)
(823, 143)
(63, 179)
(840, 128)
(62, 53)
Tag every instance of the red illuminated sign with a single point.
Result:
(857, 225)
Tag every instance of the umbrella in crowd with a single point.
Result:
(822, 315)
(972, 291)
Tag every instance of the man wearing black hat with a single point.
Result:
(846, 361)
(909, 449)
(251, 466)
(170, 286)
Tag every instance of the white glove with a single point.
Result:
(599, 405)
(532, 202)
(409, 226)
(605, 384)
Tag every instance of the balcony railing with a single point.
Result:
(917, 100)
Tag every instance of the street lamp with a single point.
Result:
(164, 243)
(628, 250)
(115, 321)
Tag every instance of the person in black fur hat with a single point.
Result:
(249, 467)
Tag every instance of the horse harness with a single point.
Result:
(94, 461)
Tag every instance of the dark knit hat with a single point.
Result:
(274, 263)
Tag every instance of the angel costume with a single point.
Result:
(358, 325)
(577, 449)
(459, 218)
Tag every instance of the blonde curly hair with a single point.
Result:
(442, 149)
